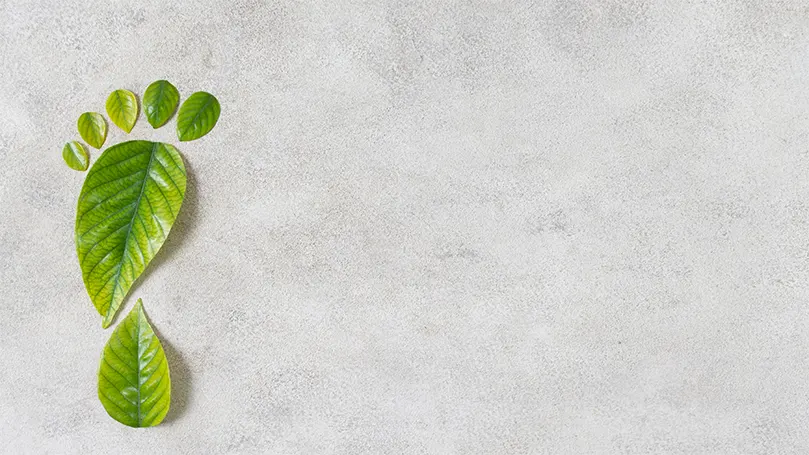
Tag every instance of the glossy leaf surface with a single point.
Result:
(122, 107)
(93, 128)
(75, 156)
(159, 102)
(128, 204)
(133, 379)
(197, 116)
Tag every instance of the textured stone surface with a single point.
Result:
(427, 226)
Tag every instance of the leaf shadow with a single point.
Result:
(181, 379)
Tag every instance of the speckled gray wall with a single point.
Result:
(490, 227)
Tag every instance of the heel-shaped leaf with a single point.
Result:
(133, 379)
(197, 116)
(93, 128)
(159, 102)
(128, 204)
(122, 107)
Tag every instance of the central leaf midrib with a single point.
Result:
(121, 104)
(93, 127)
(160, 91)
(129, 231)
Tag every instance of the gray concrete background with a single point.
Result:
(428, 227)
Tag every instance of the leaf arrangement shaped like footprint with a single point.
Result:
(128, 204)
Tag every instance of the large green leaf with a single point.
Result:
(93, 128)
(127, 206)
(159, 102)
(197, 116)
(75, 156)
(133, 379)
(122, 107)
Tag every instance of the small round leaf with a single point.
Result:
(159, 102)
(93, 128)
(75, 156)
(122, 107)
(197, 116)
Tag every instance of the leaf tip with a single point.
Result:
(108, 318)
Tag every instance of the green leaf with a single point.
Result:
(127, 206)
(93, 128)
(122, 107)
(133, 379)
(159, 102)
(197, 116)
(75, 156)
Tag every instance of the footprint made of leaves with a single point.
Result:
(129, 201)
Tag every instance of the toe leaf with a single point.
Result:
(93, 128)
(159, 102)
(75, 156)
(122, 107)
(198, 116)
